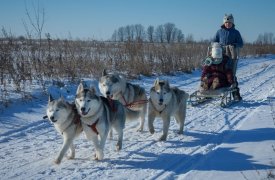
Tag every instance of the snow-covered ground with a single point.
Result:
(218, 143)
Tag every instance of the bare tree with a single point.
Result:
(139, 30)
(129, 32)
(159, 34)
(266, 38)
(179, 36)
(150, 34)
(189, 38)
(120, 34)
(115, 36)
(169, 29)
(37, 21)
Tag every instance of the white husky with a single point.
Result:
(165, 102)
(67, 122)
(133, 97)
(98, 116)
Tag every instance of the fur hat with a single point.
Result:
(228, 18)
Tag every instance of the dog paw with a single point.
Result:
(57, 161)
(98, 156)
(70, 157)
(140, 129)
(95, 157)
(118, 148)
(152, 131)
(162, 138)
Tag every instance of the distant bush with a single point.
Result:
(25, 60)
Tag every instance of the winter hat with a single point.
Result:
(216, 51)
(228, 18)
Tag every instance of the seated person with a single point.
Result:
(216, 72)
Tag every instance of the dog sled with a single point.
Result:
(215, 64)
(222, 95)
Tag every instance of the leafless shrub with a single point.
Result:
(24, 60)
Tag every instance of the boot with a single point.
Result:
(236, 95)
(204, 84)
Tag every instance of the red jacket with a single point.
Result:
(221, 71)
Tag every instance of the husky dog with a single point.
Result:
(165, 102)
(67, 122)
(98, 116)
(133, 97)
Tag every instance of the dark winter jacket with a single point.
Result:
(221, 71)
(230, 36)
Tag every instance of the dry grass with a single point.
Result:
(24, 61)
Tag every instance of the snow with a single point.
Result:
(218, 143)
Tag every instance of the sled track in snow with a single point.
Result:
(188, 164)
(137, 147)
(23, 130)
(240, 115)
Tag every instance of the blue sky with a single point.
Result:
(98, 19)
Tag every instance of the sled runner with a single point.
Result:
(224, 95)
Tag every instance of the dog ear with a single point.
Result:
(50, 98)
(104, 73)
(156, 82)
(79, 88)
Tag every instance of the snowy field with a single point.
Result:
(218, 143)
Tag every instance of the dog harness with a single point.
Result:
(112, 104)
(134, 103)
(93, 126)
(150, 100)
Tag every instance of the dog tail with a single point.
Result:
(131, 114)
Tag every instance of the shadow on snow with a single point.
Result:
(220, 159)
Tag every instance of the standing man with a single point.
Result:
(231, 39)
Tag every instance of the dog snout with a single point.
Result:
(52, 119)
(82, 109)
(108, 93)
(160, 101)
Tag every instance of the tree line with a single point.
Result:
(133, 51)
(166, 33)
(265, 38)
(25, 61)
(31, 60)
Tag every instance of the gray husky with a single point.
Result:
(98, 116)
(67, 122)
(164, 102)
(133, 97)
